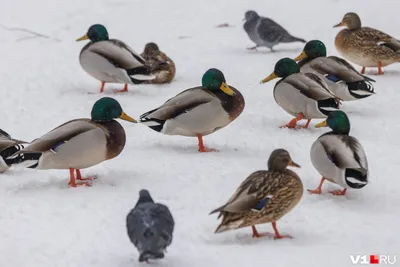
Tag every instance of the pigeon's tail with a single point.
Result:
(150, 255)
(153, 245)
(291, 39)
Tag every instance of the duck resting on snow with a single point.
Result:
(264, 197)
(198, 111)
(302, 95)
(366, 46)
(341, 77)
(111, 60)
(77, 144)
(339, 157)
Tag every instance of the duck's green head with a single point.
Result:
(283, 68)
(214, 80)
(96, 33)
(337, 121)
(312, 49)
(107, 109)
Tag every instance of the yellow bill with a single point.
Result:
(303, 55)
(321, 124)
(269, 78)
(294, 164)
(225, 88)
(339, 25)
(126, 117)
(85, 37)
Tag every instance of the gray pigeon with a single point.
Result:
(266, 32)
(150, 226)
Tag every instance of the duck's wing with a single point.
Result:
(311, 86)
(179, 104)
(117, 53)
(59, 135)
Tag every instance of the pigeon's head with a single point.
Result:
(214, 80)
(337, 121)
(312, 49)
(251, 15)
(283, 68)
(144, 196)
(96, 32)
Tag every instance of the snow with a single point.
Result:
(45, 223)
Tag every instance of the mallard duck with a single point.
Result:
(79, 143)
(339, 157)
(341, 77)
(303, 95)
(14, 145)
(111, 60)
(264, 197)
(198, 111)
(366, 46)
(161, 66)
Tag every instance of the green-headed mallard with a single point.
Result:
(341, 77)
(111, 60)
(339, 157)
(302, 95)
(198, 111)
(264, 197)
(366, 46)
(8, 146)
(161, 66)
(79, 143)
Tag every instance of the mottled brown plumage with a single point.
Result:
(160, 64)
(264, 197)
(366, 46)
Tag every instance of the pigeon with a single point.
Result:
(266, 32)
(150, 226)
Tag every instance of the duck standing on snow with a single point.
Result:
(264, 197)
(266, 32)
(161, 66)
(303, 95)
(150, 227)
(198, 111)
(8, 146)
(341, 77)
(111, 60)
(339, 157)
(366, 46)
(78, 144)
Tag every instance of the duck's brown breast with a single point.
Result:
(233, 105)
(116, 138)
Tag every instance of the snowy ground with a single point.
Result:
(44, 223)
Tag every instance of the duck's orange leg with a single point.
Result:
(257, 235)
(317, 191)
(102, 87)
(363, 70)
(122, 90)
(380, 72)
(277, 234)
(72, 181)
(79, 176)
(203, 148)
(293, 123)
(338, 192)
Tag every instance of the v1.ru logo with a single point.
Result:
(373, 259)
